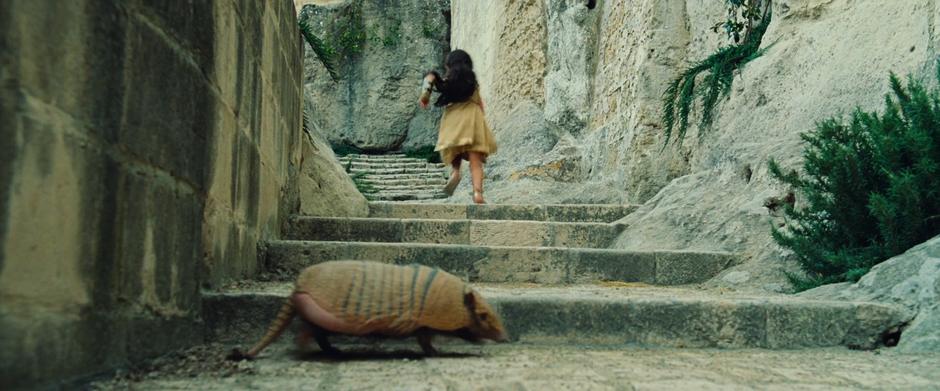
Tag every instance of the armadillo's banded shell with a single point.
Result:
(386, 299)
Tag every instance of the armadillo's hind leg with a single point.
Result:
(322, 338)
(424, 339)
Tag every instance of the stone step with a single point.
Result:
(394, 171)
(560, 213)
(627, 315)
(393, 177)
(380, 163)
(409, 182)
(472, 232)
(395, 165)
(498, 264)
(345, 162)
(391, 156)
(405, 196)
(432, 188)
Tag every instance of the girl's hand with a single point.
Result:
(424, 99)
(426, 90)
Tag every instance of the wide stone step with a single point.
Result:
(552, 265)
(436, 181)
(405, 196)
(394, 165)
(603, 315)
(392, 177)
(406, 161)
(473, 232)
(560, 213)
(394, 171)
(411, 181)
(425, 187)
(376, 157)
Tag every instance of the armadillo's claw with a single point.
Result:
(237, 355)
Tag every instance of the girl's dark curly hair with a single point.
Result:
(459, 83)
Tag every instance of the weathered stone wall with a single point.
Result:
(147, 148)
(384, 48)
(506, 39)
(815, 67)
(823, 58)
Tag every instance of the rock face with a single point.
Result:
(707, 193)
(325, 188)
(912, 280)
(383, 50)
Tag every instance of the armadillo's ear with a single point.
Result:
(468, 299)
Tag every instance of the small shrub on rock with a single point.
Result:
(871, 187)
(426, 152)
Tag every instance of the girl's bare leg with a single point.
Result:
(476, 174)
(454, 177)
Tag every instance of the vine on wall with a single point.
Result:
(749, 18)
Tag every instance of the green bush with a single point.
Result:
(426, 152)
(345, 149)
(363, 185)
(871, 186)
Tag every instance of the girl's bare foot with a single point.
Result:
(478, 197)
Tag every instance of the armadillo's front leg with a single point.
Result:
(424, 339)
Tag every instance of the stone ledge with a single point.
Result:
(558, 213)
(472, 232)
(511, 264)
(595, 315)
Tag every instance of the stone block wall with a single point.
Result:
(146, 147)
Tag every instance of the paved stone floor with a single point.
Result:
(529, 367)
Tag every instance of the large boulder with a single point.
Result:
(911, 279)
(383, 49)
(325, 187)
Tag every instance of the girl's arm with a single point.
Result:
(430, 80)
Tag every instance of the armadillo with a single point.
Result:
(362, 298)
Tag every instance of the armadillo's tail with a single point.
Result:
(284, 316)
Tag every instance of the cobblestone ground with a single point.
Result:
(521, 367)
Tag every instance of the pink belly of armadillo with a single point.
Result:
(314, 313)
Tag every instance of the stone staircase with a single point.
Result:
(579, 315)
(396, 177)
(549, 273)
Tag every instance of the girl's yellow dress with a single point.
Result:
(464, 129)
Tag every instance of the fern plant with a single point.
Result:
(325, 53)
(426, 152)
(680, 96)
(362, 184)
(871, 187)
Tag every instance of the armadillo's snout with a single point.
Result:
(502, 337)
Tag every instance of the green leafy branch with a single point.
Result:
(679, 97)
(324, 52)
